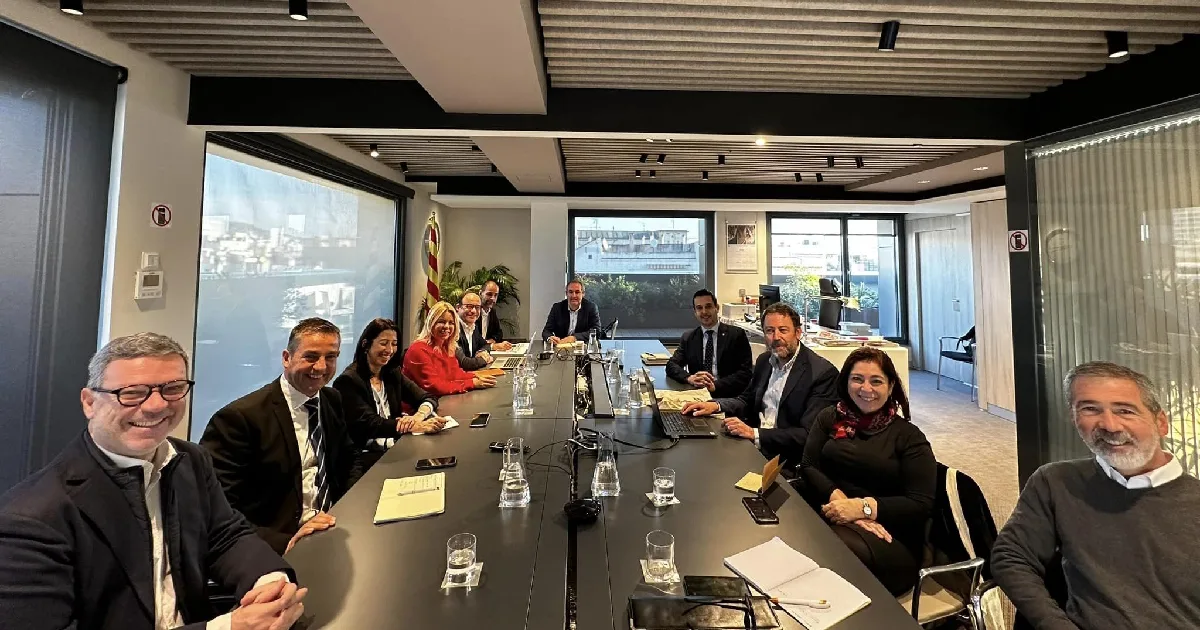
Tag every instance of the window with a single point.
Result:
(642, 269)
(277, 246)
(860, 256)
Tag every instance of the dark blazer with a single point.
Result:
(75, 543)
(358, 401)
(257, 458)
(493, 329)
(735, 362)
(559, 320)
(472, 363)
(810, 387)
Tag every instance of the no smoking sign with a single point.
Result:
(1018, 241)
(160, 215)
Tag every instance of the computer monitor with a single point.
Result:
(768, 294)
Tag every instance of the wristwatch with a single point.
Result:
(867, 508)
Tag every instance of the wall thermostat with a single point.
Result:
(148, 285)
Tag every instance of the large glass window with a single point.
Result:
(643, 270)
(859, 256)
(277, 246)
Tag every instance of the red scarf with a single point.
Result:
(850, 421)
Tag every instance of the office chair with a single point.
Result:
(963, 352)
(955, 578)
(609, 331)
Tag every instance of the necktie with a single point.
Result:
(709, 350)
(316, 438)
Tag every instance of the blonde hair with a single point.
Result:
(435, 313)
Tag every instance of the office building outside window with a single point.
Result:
(643, 270)
(277, 246)
(860, 255)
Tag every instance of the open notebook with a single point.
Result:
(782, 572)
(411, 497)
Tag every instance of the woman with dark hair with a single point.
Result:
(380, 403)
(871, 472)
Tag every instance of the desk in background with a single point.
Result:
(834, 354)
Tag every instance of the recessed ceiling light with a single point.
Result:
(404, 167)
(72, 7)
(1118, 44)
(649, 139)
(980, 168)
(721, 160)
(643, 159)
(799, 178)
(668, 139)
(820, 177)
(662, 157)
(637, 174)
(704, 175)
(374, 150)
(887, 36)
(298, 9)
(924, 181)
(653, 174)
(760, 141)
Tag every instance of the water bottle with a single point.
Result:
(606, 482)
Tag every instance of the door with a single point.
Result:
(947, 304)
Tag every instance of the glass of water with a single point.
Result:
(514, 491)
(660, 555)
(514, 459)
(664, 486)
(635, 390)
(606, 481)
(522, 391)
(460, 558)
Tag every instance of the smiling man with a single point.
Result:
(126, 526)
(571, 318)
(282, 453)
(1120, 528)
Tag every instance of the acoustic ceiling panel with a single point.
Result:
(424, 156)
(983, 48)
(247, 37)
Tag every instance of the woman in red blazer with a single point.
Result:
(430, 361)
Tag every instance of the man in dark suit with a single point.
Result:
(492, 332)
(714, 356)
(790, 385)
(283, 453)
(571, 317)
(472, 348)
(123, 530)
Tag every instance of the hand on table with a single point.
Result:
(273, 606)
(318, 523)
(706, 408)
(483, 354)
(554, 340)
(875, 528)
(502, 345)
(405, 424)
(737, 428)
(483, 382)
(570, 339)
(430, 425)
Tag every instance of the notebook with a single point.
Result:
(652, 358)
(411, 497)
(780, 571)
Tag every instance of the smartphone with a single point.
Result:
(437, 462)
(480, 420)
(760, 511)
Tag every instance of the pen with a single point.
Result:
(811, 603)
(404, 493)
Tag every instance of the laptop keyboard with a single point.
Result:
(509, 363)
(674, 423)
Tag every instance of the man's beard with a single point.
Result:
(791, 351)
(1102, 442)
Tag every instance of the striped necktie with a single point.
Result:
(709, 350)
(316, 439)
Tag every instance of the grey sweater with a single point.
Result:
(1130, 557)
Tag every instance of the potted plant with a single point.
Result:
(453, 284)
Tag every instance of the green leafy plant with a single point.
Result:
(454, 284)
(800, 286)
(867, 295)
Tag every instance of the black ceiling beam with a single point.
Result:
(1164, 75)
(386, 104)
(495, 186)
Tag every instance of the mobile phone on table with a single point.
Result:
(760, 511)
(437, 462)
(480, 420)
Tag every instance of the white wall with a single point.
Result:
(486, 237)
(548, 224)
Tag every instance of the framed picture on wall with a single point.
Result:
(741, 248)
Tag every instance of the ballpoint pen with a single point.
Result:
(811, 603)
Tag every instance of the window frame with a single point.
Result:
(844, 219)
(709, 218)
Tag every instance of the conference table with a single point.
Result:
(539, 571)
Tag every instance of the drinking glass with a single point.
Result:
(635, 390)
(514, 459)
(460, 558)
(664, 486)
(606, 481)
(514, 491)
(660, 554)
(522, 391)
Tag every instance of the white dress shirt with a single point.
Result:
(166, 607)
(308, 455)
(774, 394)
(704, 346)
(469, 330)
(1168, 472)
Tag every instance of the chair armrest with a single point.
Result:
(974, 565)
(976, 607)
(942, 342)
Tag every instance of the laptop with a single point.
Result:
(518, 350)
(509, 363)
(676, 425)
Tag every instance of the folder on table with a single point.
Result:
(411, 497)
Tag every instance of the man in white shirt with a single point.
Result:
(1106, 542)
(573, 317)
(492, 332)
(125, 527)
(474, 348)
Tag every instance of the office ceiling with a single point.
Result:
(1001, 48)
(424, 156)
(247, 37)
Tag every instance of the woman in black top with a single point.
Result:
(377, 399)
(871, 472)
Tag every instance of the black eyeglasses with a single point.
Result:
(134, 395)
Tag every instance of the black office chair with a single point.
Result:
(961, 535)
(609, 331)
(963, 352)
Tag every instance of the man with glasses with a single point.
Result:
(126, 526)
(283, 453)
(492, 333)
(472, 349)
